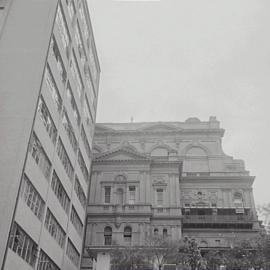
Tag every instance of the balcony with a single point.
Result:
(113, 209)
(218, 221)
(167, 211)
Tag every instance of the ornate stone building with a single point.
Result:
(166, 178)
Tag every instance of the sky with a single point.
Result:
(169, 60)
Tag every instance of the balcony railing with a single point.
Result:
(217, 219)
(166, 211)
(118, 209)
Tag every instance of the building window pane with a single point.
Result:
(85, 143)
(39, 156)
(72, 253)
(79, 192)
(32, 198)
(76, 75)
(70, 131)
(62, 154)
(60, 192)
(132, 194)
(159, 197)
(45, 262)
(47, 120)
(22, 244)
(82, 166)
(54, 228)
(107, 194)
(127, 235)
(88, 117)
(107, 236)
(75, 220)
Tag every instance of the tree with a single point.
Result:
(161, 250)
(190, 255)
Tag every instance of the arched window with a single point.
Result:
(119, 196)
(127, 235)
(165, 232)
(107, 236)
(203, 244)
(155, 231)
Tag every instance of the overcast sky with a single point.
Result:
(169, 60)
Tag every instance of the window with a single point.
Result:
(89, 85)
(79, 192)
(107, 194)
(79, 43)
(39, 156)
(60, 192)
(73, 105)
(32, 198)
(85, 142)
(165, 232)
(159, 196)
(119, 196)
(83, 19)
(22, 244)
(132, 194)
(83, 166)
(62, 26)
(93, 66)
(107, 236)
(155, 231)
(47, 120)
(70, 131)
(53, 88)
(71, 9)
(72, 253)
(238, 200)
(217, 241)
(59, 62)
(88, 116)
(127, 235)
(45, 262)
(76, 75)
(75, 220)
(62, 154)
(54, 228)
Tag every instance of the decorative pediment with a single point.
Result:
(124, 153)
(159, 127)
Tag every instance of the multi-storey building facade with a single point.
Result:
(49, 74)
(169, 179)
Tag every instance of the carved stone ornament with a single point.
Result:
(159, 180)
(117, 222)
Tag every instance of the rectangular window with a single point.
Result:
(85, 142)
(39, 156)
(45, 262)
(53, 88)
(79, 42)
(107, 194)
(63, 29)
(54, 50)
(73, 105)
(83, 166)
(160, 196)
(60, 192)
(32, 198)
(83, 19)
(88, 117)
(70, 131)
(93, 67)
(62, 154)
(75, 220)
(132, 194)
(22, 244)
(47, 120)
(89, 86)
(76, 75)
(71, 9)
(79, 192)
(54, 228)
(73, 254)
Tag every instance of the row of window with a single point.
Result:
(79, 192)
(83, 166)
(76, 221)
(120, 195)
(108, 235)
(24, 246)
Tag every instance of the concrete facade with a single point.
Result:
(166, 178)
(49, 74)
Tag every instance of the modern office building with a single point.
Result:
(167, 178)
(49, 76)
